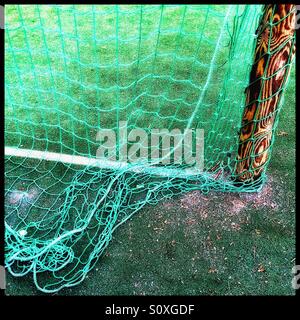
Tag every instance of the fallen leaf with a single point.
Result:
(212, 270)
(235, 226)
(191, 221)
(282, 134)
(261, 268)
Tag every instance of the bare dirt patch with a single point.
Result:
(20, 197)
(224, 210)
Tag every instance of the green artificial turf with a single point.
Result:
(195, 244)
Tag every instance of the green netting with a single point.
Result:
(73, 70)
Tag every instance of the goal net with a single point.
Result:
(109, 108)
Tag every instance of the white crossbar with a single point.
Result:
(100, 163)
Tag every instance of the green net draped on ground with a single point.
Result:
(72, 70)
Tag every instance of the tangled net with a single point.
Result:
(60, 249)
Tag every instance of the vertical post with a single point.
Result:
(275, 48)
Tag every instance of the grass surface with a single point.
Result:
(109, 65)
(217, 243)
